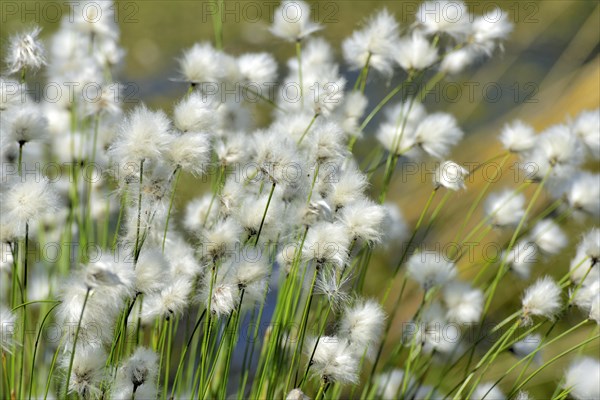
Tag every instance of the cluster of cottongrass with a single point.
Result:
(173, 305)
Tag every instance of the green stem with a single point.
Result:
(85, 300)
(177, 174)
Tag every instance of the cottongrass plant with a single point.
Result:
(260, 287)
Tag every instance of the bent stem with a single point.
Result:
(177, 174)
(85, 300)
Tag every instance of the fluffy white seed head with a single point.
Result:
(152, 272)
(505, 208)
(362, 324)
(219, 239)
(437, 134)
(587, 258)
(292, 20)
(586, 127)
(26, 201)
(327, 243)
(138, 375)
(522, 258)
(549, 237)
(463, 302)
(517, 137)
(334, 360)
(87, 371)
(364, 218)
(581, 378)
(430, 269)
(195, 113)
(24, 124)
(375, 43)
(25, 52)
(202, 63)
(487, 391)
(144, 134)
(450, 175)
(190, 152)
(257, 68)
(489, 29)
(455, 61)
(583, 194)
(444, 16)
(542, 299)
(415, 52)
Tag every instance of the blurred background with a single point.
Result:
(549, 71)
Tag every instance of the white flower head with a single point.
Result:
(24, 124)
(195, 113)
(491, 28)
(138, 375)
(375, 43)
(87, 371)
(327, 243)
(455, 61)
(505, 208)
(542, 299)
(587, 258)
(487, 391)
(334, 360)
(581, 379)
(202, 63)
(521, 258)
(152, 272)
(437, 133)
(25, 52)
(517, 137)
(463, 302)
(362, 324)
(415, 52)
(257, 69)
(450, 175)
(586, 127)
(292, 21)
(430, 269)
(548, 236)
(143, 135)
(219, 239)
(364, 218)
(445, 16)
(583, 194)
(190, 152)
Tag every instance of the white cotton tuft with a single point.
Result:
(202, 63)
(362, 324)
(334, 359)
(490, 28)
(586, 127)
(296, 394)
(151, 272)
(292, 21)
(26, 201)
(548, 236)
(327, 243)
(542, 299)
(375, 43)
(190, 152)
(581, 379)
(444, 16)
(195, 113)
(463, 302)
(437, 133)
(257, 69)
(450, 175)
(505, 208)
(430, 269)
(521, 258)
(364, 218)
(87, 371)
(415, 52)
(517, 137)
(455, 61)
(138, 375)
(487, 391)
(583, 194)
(144, 134)
(587, 258)
(25, 52)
